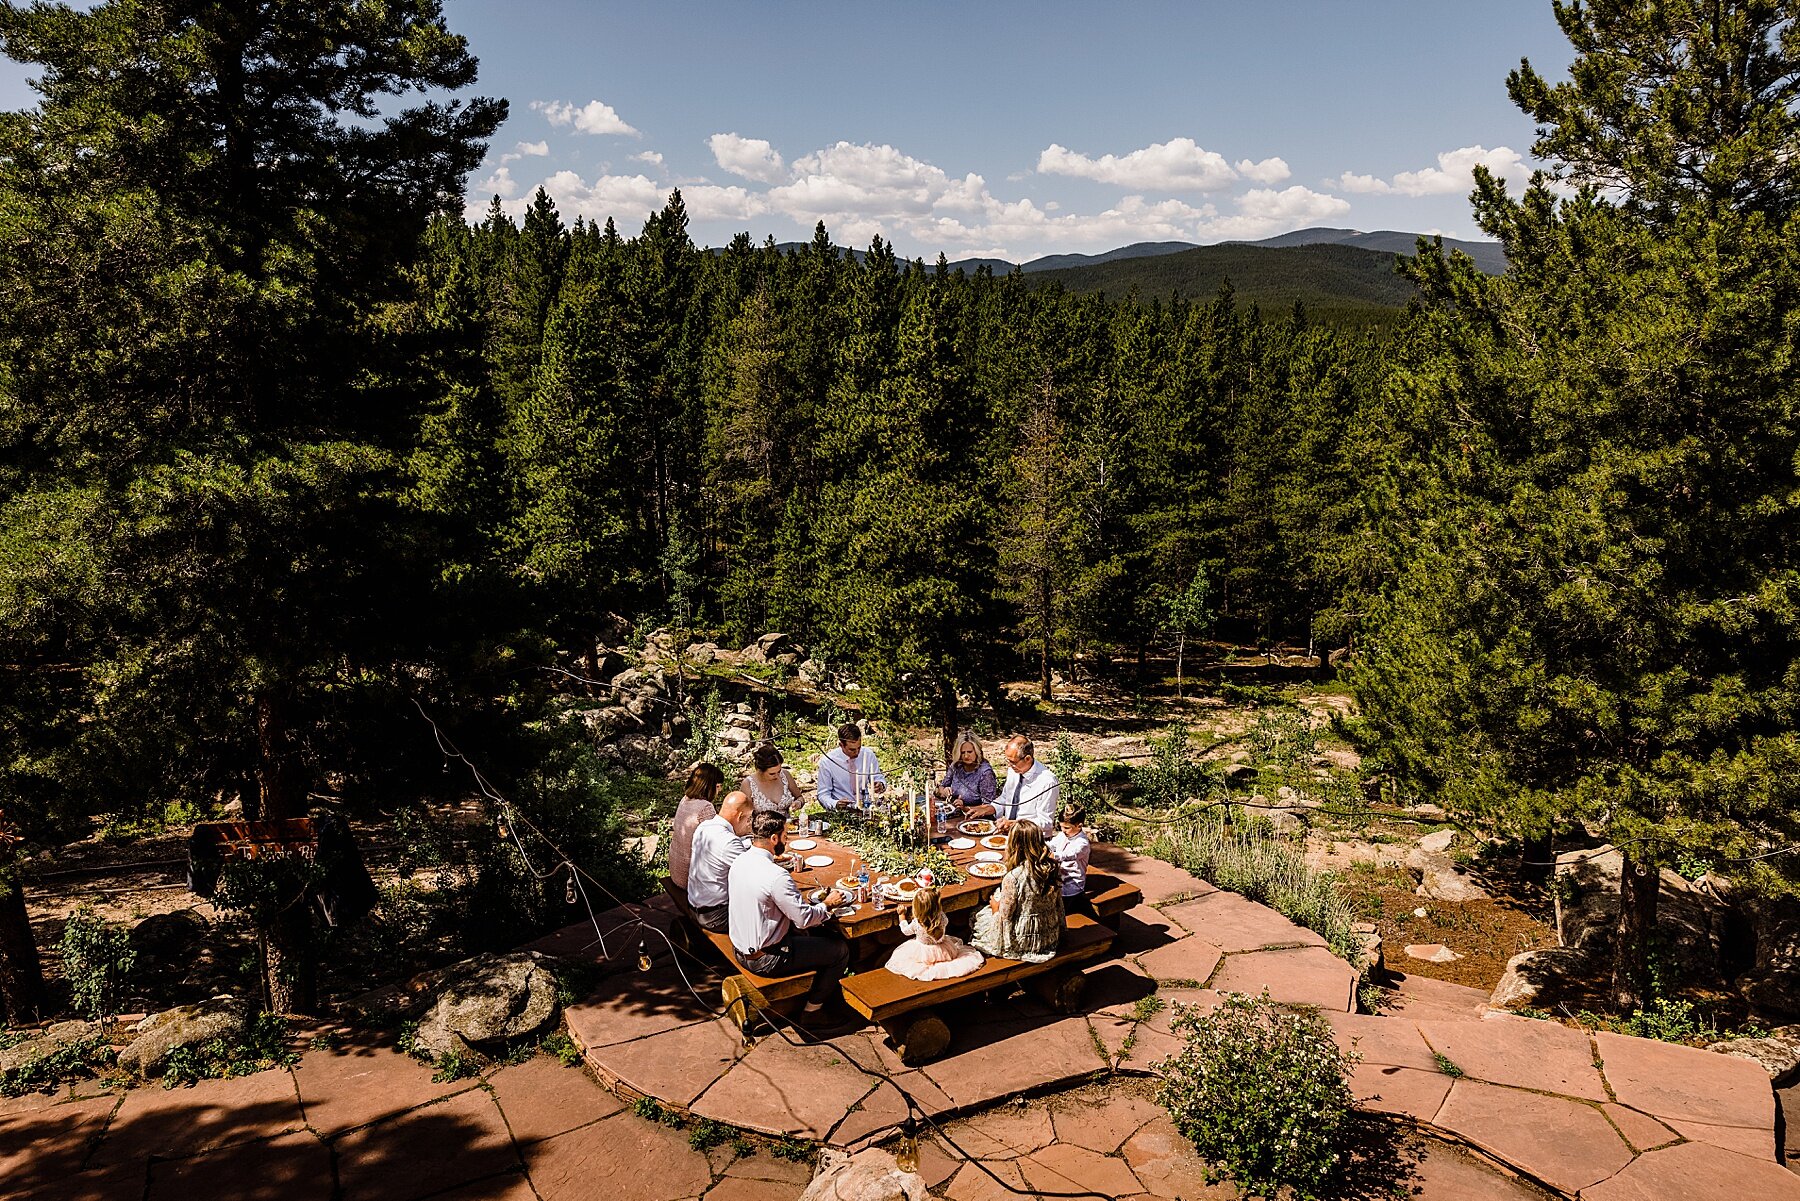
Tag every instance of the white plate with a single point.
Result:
(956, 844)
(980, 857)
(819, 861)
(801, 844)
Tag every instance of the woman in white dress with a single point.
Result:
(770, 785)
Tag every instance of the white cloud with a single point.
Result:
(532, 149)
(1264, 211)
(1455, 172)
(1176, 165)
(752, 158)
(648, 156)
(1270, 170)
(500, 183)
(592, 117)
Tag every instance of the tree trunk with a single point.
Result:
(21, 974)
(1639, 884)
(947, 722)
(285, 942)
(1180, 651)
(1537, 856)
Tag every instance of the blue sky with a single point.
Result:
(1009, 129)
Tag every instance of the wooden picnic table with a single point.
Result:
(869, 927)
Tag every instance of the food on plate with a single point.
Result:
(994, 842)
(987, 871)
(981, 826)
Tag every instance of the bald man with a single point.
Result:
(718, 841)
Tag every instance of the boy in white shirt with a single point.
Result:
(1070, 847)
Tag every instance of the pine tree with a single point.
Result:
(1592, 614)
(202, 426)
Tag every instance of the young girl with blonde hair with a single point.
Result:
(932, 953)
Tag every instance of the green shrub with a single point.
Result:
(1175, 775)
(43, 1072)
(97, 960)
(562, 1047)
(708, 1134)
(1263, 1093)
(261, 1045)
(1236, 853)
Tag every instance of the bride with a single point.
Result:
(770, 785)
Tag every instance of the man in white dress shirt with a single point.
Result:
(718, 841)
(849, 770)
(1031, 790)
(773, 926)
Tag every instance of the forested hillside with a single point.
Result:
(923, 472)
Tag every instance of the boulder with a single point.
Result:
(1772, 982)
(766, 648)
(702, 654)
(1777, 1054)
(184, 1026)
(490, 999)
(1687, 920)
(1432, 952)
(607, 663)
(166, 935)
(1437, 841)
(1440, 879)
(1540, 979)
(787, 659)
(811, 670)
(629, 680)
(55, 1038)
(870, 1175)
(1370, 937)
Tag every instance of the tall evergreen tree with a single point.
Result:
(1592, 616)
(201, 423)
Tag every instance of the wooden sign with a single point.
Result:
(258, 840)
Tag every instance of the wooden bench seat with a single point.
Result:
(746, 995)
(897, 1002)
(1111, 897)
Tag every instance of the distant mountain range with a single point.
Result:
(1340, 275)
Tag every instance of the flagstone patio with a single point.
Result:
(1501, 1107)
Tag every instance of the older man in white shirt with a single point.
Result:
(848, 772)
(1031, 790)
(718, 841)
(772, 925)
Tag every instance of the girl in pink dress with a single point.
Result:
(932, 953)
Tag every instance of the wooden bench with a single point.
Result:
(904, 1007)
(1111, 897)
(746, 995)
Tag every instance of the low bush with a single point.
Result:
(97, 960)
(42, 1072)
(1263, 1094)
(263, 1044)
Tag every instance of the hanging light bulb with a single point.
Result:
(643, 956)
(569, 888)
(906, 1157)
(502, 828)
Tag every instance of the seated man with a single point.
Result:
(1031, 789)
(773, 926)
(849, 772)
(718, 841)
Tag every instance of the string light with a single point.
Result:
(569, 888)
(643, 955)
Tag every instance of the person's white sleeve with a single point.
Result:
(798, 909)
(829, 790)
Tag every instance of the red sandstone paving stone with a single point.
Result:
(882, 1111)
(780, 1088)
(1010, 1060)
(870, 1049)
(1065, 1168)
(924, 1092)
(1007, 1131)
(1193, 958)
(632, 1005)
(1640, 1130)
(1300, 976)
(1166, 1165)
(1447, 1173)
(1564, 1143)
(1232, 923)
(1115, 983)
(1175, 1000)
(39, 1148)
(1744, 1140)
(1158, 881)
(511, 1187)
(1698, 1172)
(1112, 1033)
(363, 1082)
(1408, 1092)
(1102, 1125)
(1670, 1081)
(675, 1066)
(126, 1181)
(294, 1167)
(1144, 927)
(1394, 1042)
(767, 1167)
(738, 1188)
(1524, 1053)
(1148, 1048)
(971, 1183)
(212, 1113)
(621, 1158)
(426, 1151)
(1423, 999)
(936, 1164)
(31, 1102)
(541, 1099)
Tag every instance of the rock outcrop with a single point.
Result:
(160, 1034)
(1544, 978)
(489, 1000)
(870, 1175)
(1587, 912)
